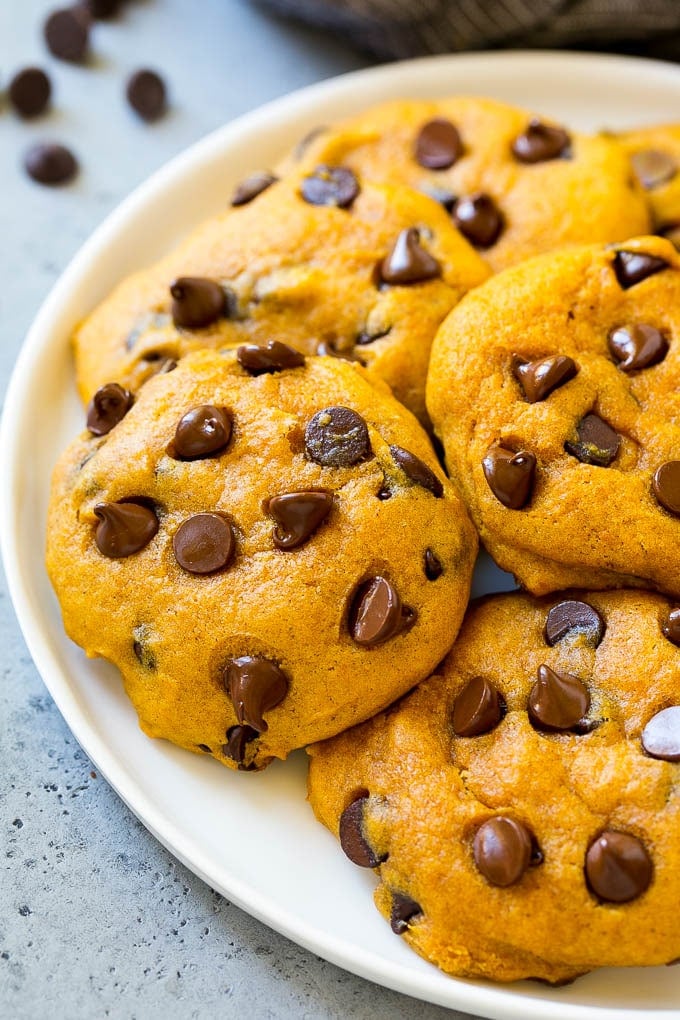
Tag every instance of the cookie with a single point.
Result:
(655, 158)
(522, 807)
(336, 266)
(515, 184)
(265, 547)
(555, 389)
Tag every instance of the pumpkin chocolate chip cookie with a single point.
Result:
(655, 157)
(263, 544)
(522, 807)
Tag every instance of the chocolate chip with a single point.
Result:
(200, 432)
(541, 142)
(408, 262)
(597, 442)
(438, 145)
(404, 911)
(352, 839)
(572, 615)
(661, 735)
(66, 33)
(204, 543)
(330, 185)
(101, 9)
(433, 566)
(238, 738)
(298, 515)
(557, 701)
(337, 437)
(366, 337)
(633, 267)
(417, 471)
(140, 647)
(502, 850)
(146, 94)
(618, 867)
(29, 92)
(671, 628)
(538, 379)
(328, 349)
(666, 486)
(108, 406)
(637, 346)
(478, 708)
(124, 528)
(479, 219)
(204, 748)
(270, 357)
(510, 475)
(377, 614)
(672, 233)
(197, 302)
(252, 186)
(50, 163)
(653, 168)
(255, 685)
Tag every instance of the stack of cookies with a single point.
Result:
(257, 528)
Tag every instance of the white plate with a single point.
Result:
(253, 837)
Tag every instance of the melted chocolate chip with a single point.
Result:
(433, 566)
(204, 543)
(618, 867)
(270, 357)
(502, 850)
(377, 614)
(197, 302)
(337, 437)
(255, 685)
(146, 94)
(330, 185)
(51, 164)
(365, 337)
(298, 515)
(538, 379)
(666, 486)
(557, 701)
(479, 219)
(478, 708)
(408, 262)
(29, 92)
(637, 346)
(597, 442)
(661, 735)
(633, 267)
(124, 528)
(66, 33)
(438, 145)
(404, 911)
(204, 748)
(328, 349)
(238, 738)
(201, 432)
(671, 628)
(252, 186)
(541, 142)
(352, 838)
(510, 475)
(108, 406)
(417, 471)
(572, 615)
(653, 168)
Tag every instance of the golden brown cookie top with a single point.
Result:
(655, 158)
(523, 805)
(555, 389)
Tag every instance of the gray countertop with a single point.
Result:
(96, 918)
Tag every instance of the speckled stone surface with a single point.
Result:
(96, 918)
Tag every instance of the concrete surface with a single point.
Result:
(96, 918)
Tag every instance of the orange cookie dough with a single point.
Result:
(655, 157)
(336, 266)
(522, 808)
(515, 184)
(555, 389)
(266, 548)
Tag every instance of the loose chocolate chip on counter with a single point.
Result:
(541, 142)
(204, 543)
(108, 406)
(637, 346)
(124, 528)
(510, 475)
(479, 219)
(438, 145)
(404, 911)
(478, 708)
(67, 33)
(50, 163)
(502, 850)
(337, 437)
(557, 701)
(376, 613)
(366, 337)
(417, 471)
(255, 685)
(252, 186)
(653, 168)
(408, 262)
(571, 615)
(633, 267)
(352, 839)
(330, 185)
(666, 486)
(618, 867)
(538, 379)
(671, 628)
(147, 95)
(29, 92)
(433, 566)
(197, 302)
(270, 357)
(238, 738)
(597, 442)
(661, 735)
(298, 515)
